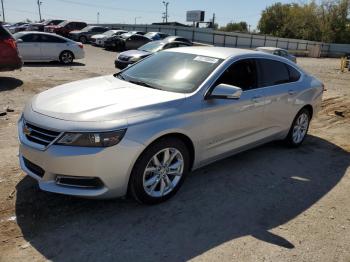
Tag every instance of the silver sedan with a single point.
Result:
(143, 129)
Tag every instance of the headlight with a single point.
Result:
(102, 139)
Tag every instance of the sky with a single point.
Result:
(145, 11)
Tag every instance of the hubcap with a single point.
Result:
(300, 128)
(67, 57)
(163, 172)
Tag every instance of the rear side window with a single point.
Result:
(294, 75)
(272, 72)
(4, 34)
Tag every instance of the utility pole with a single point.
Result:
(137, 17)
(3, 11)
(98, 17)
(39, 4)
(213, 25)
(166, 11)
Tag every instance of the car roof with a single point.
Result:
(270, 48)
(212, 51)
(43, 33)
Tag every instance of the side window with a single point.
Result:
(51, 39)
(272, 72)
(30, 38)
(170, 45)
(69, 26)
(100, 29)
(294, 75)
(79, 26)
(182, 45)
(242, 74)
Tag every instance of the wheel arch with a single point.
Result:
(66, 50)
(309, 108)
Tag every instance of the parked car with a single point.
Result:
(9, 56)
(277, 51)
(144, 128)
(84, 35)
(46, 47)
(118, 42)
(99, 39)
(127, 58)
(20, 26)
(156, 35)
(41, 26)
(178, 39)
(65, 27)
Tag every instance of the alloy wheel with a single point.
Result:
(163, 172)
(300, 128)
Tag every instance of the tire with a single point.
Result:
(164, 184)
(66, 57)
(299, 128)
(83, 39)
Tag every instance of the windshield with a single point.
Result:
(63, 23)
(18, 35)
(171, 71)
(109, 33)
(152, 47)
(150, 34)
(87, 28)
(126, 35)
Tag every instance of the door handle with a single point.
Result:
(256, 98)
(291, 92)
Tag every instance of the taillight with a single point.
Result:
(81, 45)
(11, 42)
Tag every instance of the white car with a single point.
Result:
(143, 129)
(99, 39)
(46, 47)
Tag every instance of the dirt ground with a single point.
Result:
(267, 204)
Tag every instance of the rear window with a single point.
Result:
(294, 75)
(4, 34)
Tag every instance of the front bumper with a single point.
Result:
(111, 165)
(122, 64)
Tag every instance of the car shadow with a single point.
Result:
(9, 83)
(247, 194)
(50, 64)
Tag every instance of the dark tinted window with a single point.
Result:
(31, 38)
(51, 39)
(99, 29)
(80, 25)
(242, 74)
(272, 72)
(294, 75)
(4, 34)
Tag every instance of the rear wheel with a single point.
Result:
(83, 39)
(66, 57)
(299, 128)
(160, 171)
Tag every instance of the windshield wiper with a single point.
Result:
(141, 83)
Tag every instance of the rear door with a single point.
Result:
(30, 47)
(51, 46)
(279, 80)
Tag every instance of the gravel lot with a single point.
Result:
(267, 204)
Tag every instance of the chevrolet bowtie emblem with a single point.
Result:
(26, 131)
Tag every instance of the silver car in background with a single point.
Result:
(143, 129)
(47, 47)
(277, 51)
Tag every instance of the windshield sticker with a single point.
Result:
(206, 59)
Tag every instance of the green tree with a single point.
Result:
(235, 27)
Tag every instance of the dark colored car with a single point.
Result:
(156, 35)
(65, 27)
(132, 56)
(41, 26)
(119, 42)
(177, 38)
(9, 56)
(85, 34)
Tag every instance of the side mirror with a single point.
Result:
(223, 91)
(19, 41)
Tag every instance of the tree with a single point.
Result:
(235, 27)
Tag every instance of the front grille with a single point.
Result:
(37, 170)
(39, 135)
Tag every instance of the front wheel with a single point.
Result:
(299, 128)
(160, 171)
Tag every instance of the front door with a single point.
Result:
(29, 47)
(230, 124)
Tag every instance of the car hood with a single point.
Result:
(133, 53)
(104, 98)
